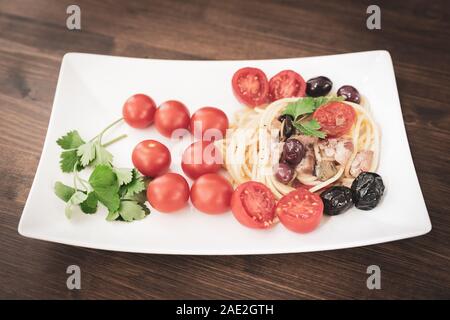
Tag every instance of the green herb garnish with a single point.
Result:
(120, 190)
(302, 108)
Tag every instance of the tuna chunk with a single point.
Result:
(339, 150)
(361, 163)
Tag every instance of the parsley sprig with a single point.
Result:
(299, 110)
(120, 190)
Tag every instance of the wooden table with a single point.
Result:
(33, 39)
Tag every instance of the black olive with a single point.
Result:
(293, 152)
(288, 128)
(336, 200)
(284, 116)
(284, 173)
(367, 190)
(318, 86)
(350, 93)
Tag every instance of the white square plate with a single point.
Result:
(90, 92)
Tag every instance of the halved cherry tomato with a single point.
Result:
(209, 123)
(253, 205)
(168, 193)
(151, 158)
(286, 84)
(139, 111)
(211, 193)
(335, 118)
(300, 210)
(171, 115)
(250, 86)
(199, 158)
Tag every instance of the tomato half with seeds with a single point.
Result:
(250, 86)
(286, 84)
(253, 205)
(335, 118)
(300, 210)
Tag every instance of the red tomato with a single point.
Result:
(139, 111)
(250, 86)
(253, 205)
(168, 193)
(171, 115)
(207, 118)
(151, 158)
(211, 193)
(300, 210)
(286, 84)
(335, 118)
(199, 158)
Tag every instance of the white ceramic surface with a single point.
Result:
(90, 92)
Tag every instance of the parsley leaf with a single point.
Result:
(71, 140)
(112, 216)
(307, 105)
(134, 187)
(68, 159)
(90, 204)
(300, 107)
(63, 191)
(102, 156)
(106, 186)
(124, 175)
(310, 128)
(77, 198)
(86, 152)
(131, 210)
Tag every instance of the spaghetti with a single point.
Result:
(252, 148)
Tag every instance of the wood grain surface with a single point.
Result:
(33, 39)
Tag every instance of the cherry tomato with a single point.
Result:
(250, 86)
(335, 118)
(199, 158)
(211, 193)
(253, 205)
(151, 158)
(168, 193)
(171, 115)
(139, 111)
(207, 118)
(300, 210)
(286, 84)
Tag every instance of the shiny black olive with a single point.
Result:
(336, 200)
(288, 128)
(367, 190)
(318, 86)
(293, 152)
(284, 173)
(284, 116)
(350, 93)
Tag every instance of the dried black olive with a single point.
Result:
(336, 200)
(367, 190)
(318, 86)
